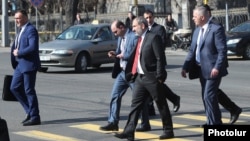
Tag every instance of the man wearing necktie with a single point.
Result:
(207, 60)
(149, 78)
(25, 62)
(169, 94)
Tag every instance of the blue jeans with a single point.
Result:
(119, 89)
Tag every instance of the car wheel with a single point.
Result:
(81, 63)
(246, 54)
(43, 69)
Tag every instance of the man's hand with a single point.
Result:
(214, 73)
(183, 73)
(120, 56)
(15, 52)
(111, 54)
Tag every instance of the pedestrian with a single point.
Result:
(126, 42)
(223, 99)
(169, 94)
(25, 62)
(170, 26)
(147, 66)
(129, 20)
(207, 60)
(78, 19)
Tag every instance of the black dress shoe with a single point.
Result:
(235, 116)
(110, 127)
(26, 118)
(143, 129)
(177, 104)
(32, 122)
(167, 135)
(129, 137)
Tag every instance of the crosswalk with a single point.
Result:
(148, 136)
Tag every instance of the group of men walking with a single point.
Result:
(140, 63)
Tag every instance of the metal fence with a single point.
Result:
(235, 16)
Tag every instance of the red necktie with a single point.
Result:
(134, 68)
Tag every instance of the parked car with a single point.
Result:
(79, 46)
(238, 40)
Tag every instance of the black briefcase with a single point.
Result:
(4, 133)
(7, 95)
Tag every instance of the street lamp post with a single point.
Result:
(5, 26)
(95, 12)
(227, 23)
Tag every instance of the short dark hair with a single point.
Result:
(142, 20)
(147, 11)
(22, 11)
(119, 24)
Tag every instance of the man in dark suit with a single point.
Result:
(207, 59)
(25, 62)
(169, 94)
(223, 99)
(147, 65)
(126, 42)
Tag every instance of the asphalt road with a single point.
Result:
(74, 105)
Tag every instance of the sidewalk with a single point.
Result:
(4, 49)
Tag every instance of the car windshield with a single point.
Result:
(244, 27)
(77, 33)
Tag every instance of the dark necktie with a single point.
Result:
(199, 46)
(134, 68)
(17, 36)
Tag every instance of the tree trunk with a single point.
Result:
(70, 11)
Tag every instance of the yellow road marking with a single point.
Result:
(245, 115)
(138, 135)
(46, 136)
(201, 118)
(179, 126)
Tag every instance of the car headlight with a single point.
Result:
(62, 52)
(233, 41)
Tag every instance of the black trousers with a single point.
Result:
(148, 109)
(144, 87)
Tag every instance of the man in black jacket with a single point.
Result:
(169, 94)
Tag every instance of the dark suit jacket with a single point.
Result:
(28, 52)
(131, 40)
(213, 53)
(152, 58)
(160, 30)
